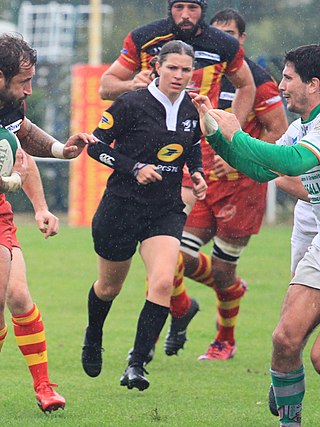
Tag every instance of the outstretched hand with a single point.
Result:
(76, 143)
(227, 122)
(202, 103)
(211, 119)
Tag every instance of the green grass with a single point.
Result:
(183, 391)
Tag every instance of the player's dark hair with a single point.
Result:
(306, 61)
(15, 51)
(228, 14)
(173, 46)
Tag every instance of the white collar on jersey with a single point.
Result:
(171, 109)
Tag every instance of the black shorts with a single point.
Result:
(118, 225)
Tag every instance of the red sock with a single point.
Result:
(203, 273)
(180, 300)
(31, 340)
(228, 310)
(3, 334)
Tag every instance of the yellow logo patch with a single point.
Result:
(106, 121)
(170, 152)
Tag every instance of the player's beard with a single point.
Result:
(8, 100)
(184, 34)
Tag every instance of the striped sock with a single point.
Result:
(289, 389)
(203, 273)
(30, 336)
(180, 301)
(3, 334)
(228, 310)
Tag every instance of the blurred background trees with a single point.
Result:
(273, 26)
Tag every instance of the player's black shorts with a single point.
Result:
(119, 225)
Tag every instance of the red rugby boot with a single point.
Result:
(47, 399)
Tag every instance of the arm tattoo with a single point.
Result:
(35, 141)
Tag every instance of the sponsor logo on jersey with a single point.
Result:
(201, 54)
(294, 140)
(106, 121)
(124, 51)
(170, 152)
(227, 96)
(106, 159)
(15, 126)
(188, 125)
(168, 168)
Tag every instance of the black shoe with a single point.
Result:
(177, 334)
(91, 357)
(133, 378)
(148, 358)
(272, 402)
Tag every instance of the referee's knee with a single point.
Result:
(163, 285)
(107, 292)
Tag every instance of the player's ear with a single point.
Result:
(314, 85)
(157, 67)
(2, 79)
(242, 38)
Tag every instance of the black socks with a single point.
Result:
(151, 321)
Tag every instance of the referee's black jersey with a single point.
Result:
(147, 128)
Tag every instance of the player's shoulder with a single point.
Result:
(260, 74)
(294, 127)
(219, 39)
(147, 32)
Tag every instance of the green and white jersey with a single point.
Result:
(307, 133)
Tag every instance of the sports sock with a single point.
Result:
(97, 313)
(30, 336)
(228, 309)
(203, 273)
(3, 334)
(151, 321)
(289, 389)
(180, 301)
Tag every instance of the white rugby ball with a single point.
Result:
(9, 144)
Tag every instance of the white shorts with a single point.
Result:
(303, 232)
(308, 269)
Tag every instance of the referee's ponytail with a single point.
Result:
(154, 73)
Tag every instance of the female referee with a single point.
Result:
(156, 131)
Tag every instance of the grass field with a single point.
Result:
(183, 391)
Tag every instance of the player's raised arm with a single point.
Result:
(117, 79)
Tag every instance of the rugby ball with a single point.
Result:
(9, 144)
